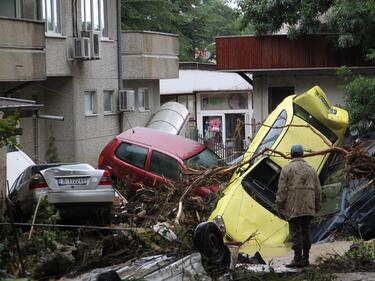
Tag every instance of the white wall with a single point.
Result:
(301, 82)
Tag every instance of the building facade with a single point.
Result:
(74, 66)
(282, 67)
(215, 101)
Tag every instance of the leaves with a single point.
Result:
(196, 22)
(8, 130)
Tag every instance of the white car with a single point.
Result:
(17, 162)
(72, 188)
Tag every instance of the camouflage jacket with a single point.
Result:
(298, 191)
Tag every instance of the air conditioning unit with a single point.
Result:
(95, 44)
(81, 48)
(126, 100)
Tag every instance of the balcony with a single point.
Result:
(149, 55)
(22, 50)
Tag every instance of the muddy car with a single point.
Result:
(248, 204)
(148, 157)
(70, 187)
(348, 205)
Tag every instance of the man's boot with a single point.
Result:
(305, 257)
(297, 260)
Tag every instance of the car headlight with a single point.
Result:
(219, 221)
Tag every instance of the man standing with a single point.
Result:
(297, 200)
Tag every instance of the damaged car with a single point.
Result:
(69, 187)
(148, 157)
(348, 205)
(248, 203)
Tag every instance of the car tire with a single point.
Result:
(209, 241)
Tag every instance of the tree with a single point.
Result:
(197, 22)
(350, 23)
(8, 129)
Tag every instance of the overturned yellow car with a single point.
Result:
(246, 208)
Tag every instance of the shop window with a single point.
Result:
(94, 16)
(224, 101)
(51, 13)
(143, 99)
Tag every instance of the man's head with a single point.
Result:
(296, 151)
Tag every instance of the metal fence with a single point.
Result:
(226, 151)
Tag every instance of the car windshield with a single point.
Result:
(307, 117)
(205, 159)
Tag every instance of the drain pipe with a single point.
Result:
(119, 66)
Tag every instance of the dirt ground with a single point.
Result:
(317, 250)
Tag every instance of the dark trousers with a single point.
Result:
(299, 230)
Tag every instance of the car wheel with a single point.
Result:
(209, 241)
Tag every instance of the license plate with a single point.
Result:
(72, 181)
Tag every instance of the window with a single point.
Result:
(143, 99)
(164, 166)
(51, 13)
(90, 102)
(126, 100)
(94, 16)
(132, 154)
(108, 101)
(273, 133)
(8, 8)
(261, 183)
(205, 159)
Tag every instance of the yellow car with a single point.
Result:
(247, 205)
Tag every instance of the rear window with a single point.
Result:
(206, 159)
(132, 154)
(307, 117)
(164, 165)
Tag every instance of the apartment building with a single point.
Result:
(66, 56)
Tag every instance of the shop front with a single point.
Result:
(224, 118)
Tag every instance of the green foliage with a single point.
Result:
(359, 99)
(44, 238)
(52, 153)
(8, 258)
(196, 22)
(350, 22)
(269, 16)
(8, 130)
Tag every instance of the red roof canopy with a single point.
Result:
(274, 52)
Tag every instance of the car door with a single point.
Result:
(130, 162)
(162, 168)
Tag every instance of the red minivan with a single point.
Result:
(151, 157)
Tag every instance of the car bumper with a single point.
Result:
(81, 196)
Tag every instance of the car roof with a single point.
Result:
(182, 147)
